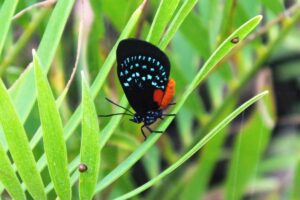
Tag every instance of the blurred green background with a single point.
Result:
(256, 157)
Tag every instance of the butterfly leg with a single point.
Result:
(145, 137)
(153, 131)
(167, 115)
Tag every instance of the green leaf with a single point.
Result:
(219, 53)
(54, 145)
(183, 11)
(192, 151)
(18, 145)
(276, 6)
(197, 34)
(296, 182)
(8, 177)
(90, 144)
(6, 13)
(210, 154)
(163, 15)
(96, 86)
(250, 144)
(23, 92)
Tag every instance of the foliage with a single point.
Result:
(223, 60)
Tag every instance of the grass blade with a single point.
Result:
(184, 10)
(19, 146)
(219, 53)
(6, 13)
(54, 145)
(296, 182)
(90, 144)
(96, 86)
(23, 92)
(8, 177)
(249, 147)
(200, 144)
(163, 15)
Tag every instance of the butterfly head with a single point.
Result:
(147, 118)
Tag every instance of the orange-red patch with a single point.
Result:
(164, 98)
(158, 96)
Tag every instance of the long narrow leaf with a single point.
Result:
(54, 145)
(19, 146)
(163, 15)
(8, 177)
(23, 92)
(99, 81)
(7, 10)
(220, 52)
(97, 84)
(200, 144)
(184, 10)
(90, 145)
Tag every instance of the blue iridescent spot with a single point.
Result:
(157, 77)
(137, 64)
(144, 67)
(137, 74)
(131, 58)
(163, 73)
(121, 74)
(153, 83)
(144, 57)
(133, 75)
(161, 67)
(126, 72)
(149, 59)
(165, 79)
(149, 77)
(129, 79)
(152, 69)
(143, 78)
(126, 84)
(128, 60)
(158, 63)
(139, 57)
(131, 66)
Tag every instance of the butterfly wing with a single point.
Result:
(142, 69)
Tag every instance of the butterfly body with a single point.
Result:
(143, 71)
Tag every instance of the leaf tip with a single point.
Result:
(82, 74)
(33, 53)
(141, 7)
(259, 18)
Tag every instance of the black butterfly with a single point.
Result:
(143, 71)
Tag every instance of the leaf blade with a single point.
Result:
(90, 144)
(18, 145)
(218, 54)
(6, 13)
(163, 15)
(193, 150)
(8, 177)
(54, 145)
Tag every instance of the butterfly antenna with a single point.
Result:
(119, 106)
(109, 115)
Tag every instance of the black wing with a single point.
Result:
(142, 68)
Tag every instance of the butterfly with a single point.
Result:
(143, 71)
